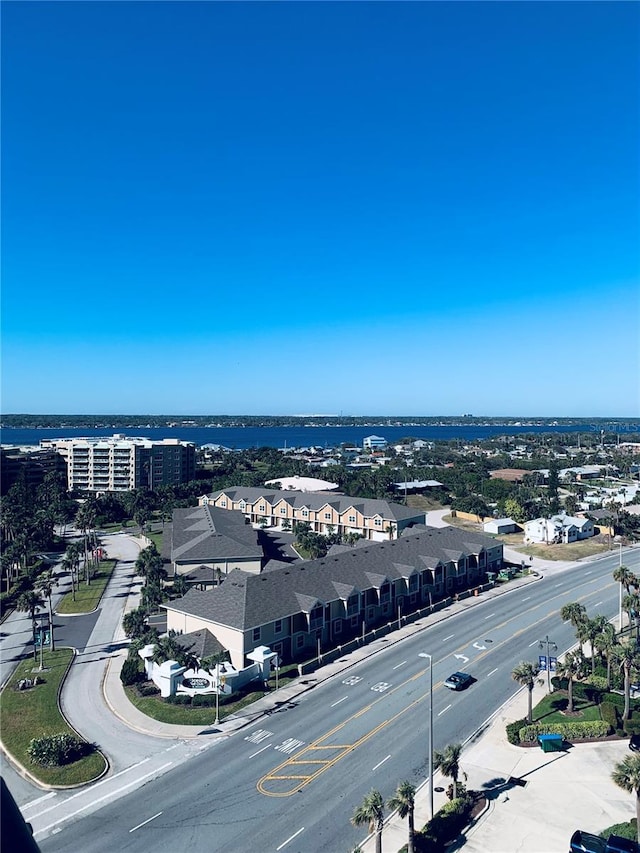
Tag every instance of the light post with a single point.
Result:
(549, 645)
(620, 596)
(217, 720)
(426, 655)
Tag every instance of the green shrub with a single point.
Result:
(610, 714)
(513, 730)
(569, 730)
(181, 699)
(130, 673)
(597, 681)
(56, 750)
(204, 701)
(632, 725)
(148, 689)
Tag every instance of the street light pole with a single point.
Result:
(620, 596)
(426, 655)
(548, 643)
(217, 720)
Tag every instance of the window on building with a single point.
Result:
(256, 635)
(378, 522)
(354, 621)
(337, 626)
(261, 508)
(223, 503)
(278, 626)
(305, 513)
(300, 641)
(327, 516)
(385, 592)
(283, 510)
(352, 519)
(353, 604)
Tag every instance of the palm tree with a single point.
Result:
(29, 602)
(593, 628)
(627, 659)
(46, 583)
(448, 762)
(626, 774)
(134, 623)
(371, 812)
(404, 801)
(574, 612)
(605, 643)
(626, 578)
(573, 666)
(526, 673)
(631, 603)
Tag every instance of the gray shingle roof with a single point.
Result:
(246, 600)
(341, 503)
(203, 533)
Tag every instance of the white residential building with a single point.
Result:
(560, 528)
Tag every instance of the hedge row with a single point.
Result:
(570, 730)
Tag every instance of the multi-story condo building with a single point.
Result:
(119, 463)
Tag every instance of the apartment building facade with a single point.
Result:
(329, 601)
(377, 520)
(120, 463)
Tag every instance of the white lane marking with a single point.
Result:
(268, 746)
(490, 616)
(353, 679)
(338, 702)
(169, 748)
(97, 785)
(526, 599)
(295, 834)
(105, 797)
(444, 711)
(148, 820)
(597, 604)
(450, 637)
(557, 585)
(259, 736)
(380, 763)
(535, 642)
(289, 745)
(39, 800)
(381, 686)
(400, 664)
(492, 671)
(587, 573)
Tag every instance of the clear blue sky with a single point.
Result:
(395, 208)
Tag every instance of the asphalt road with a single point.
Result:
(290, 782)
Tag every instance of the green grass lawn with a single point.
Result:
(156, 538)
(88, 597)
(159, 709)
(550, 709)
(25, 714)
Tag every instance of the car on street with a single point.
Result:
(458, 680)
(586, 842)
(634, 743)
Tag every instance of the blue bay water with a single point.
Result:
(242, 438)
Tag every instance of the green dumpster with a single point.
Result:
(551, 743)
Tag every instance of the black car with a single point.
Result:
(634, 743)
(619, 844)
(458, 681)
(585, 842)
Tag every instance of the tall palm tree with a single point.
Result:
(526, 674)
(631, 603)
(448, 762)
(626, 774)
(29, 602)
(593, 629)
(628, 661)
(371, 812)
(572, 666)
(404, 801)
(605, 643)
(626, 578)
(45, 585)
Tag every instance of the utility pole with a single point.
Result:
(426, 655)
(550, 646)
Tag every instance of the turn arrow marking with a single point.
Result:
(478, 646)
(462, 658)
